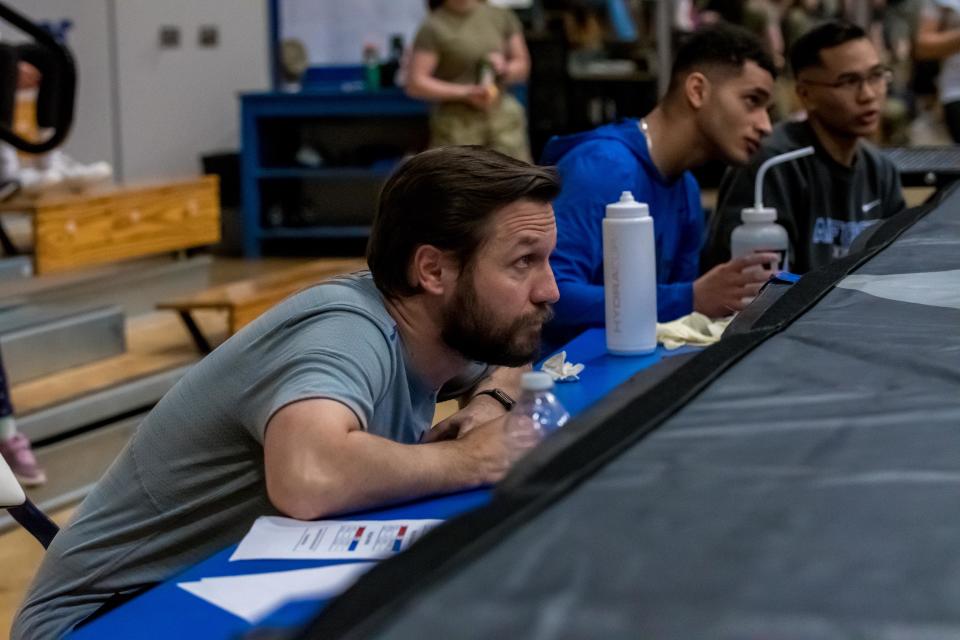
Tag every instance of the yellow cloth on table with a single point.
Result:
(695, 329)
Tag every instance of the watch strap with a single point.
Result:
(498, 395)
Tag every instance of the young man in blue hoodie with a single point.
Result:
(715, 108)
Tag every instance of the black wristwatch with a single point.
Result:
(499, 396)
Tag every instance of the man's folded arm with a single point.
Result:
(318, 462)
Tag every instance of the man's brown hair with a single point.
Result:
(445, 198)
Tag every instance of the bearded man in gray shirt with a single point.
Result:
(323, 404)
(824, 200)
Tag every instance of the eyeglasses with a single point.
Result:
(853, 83)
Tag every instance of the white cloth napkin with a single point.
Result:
(561, 370)
(695, 329)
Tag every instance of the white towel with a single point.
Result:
(695, 329)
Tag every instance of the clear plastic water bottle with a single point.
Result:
(536, 414)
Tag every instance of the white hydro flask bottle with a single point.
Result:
(630, 277)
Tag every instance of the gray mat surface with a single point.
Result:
(811, 492)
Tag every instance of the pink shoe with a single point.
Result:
(17, 452)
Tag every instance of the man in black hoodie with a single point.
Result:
(824, 200)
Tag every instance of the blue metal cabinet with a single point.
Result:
(271, 119)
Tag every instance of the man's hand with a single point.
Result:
(486, 449)
(726, 288)
(482, 408)
(480, 97)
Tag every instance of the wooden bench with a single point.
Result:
(244, 300)
(102, 225)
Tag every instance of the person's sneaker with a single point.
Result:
(18, 453)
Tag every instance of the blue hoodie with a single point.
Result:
(596, 167)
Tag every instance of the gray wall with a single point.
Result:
(153, 111)
(178, 103)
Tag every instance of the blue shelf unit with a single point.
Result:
(359, 137)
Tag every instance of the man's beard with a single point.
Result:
(471, 330)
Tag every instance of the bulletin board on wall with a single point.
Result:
(335, 33)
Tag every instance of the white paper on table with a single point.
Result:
(253, 597)
(276, 538)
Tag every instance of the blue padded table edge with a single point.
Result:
(604, 372)
(167, 611)
(172, 612)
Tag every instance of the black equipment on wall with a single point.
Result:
(68, 85)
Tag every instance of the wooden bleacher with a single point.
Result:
(103, 225)
(155, 342)
(243, 301)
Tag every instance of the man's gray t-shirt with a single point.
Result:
(191, 480)
(822, 204)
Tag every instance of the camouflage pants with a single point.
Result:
(502, 128)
